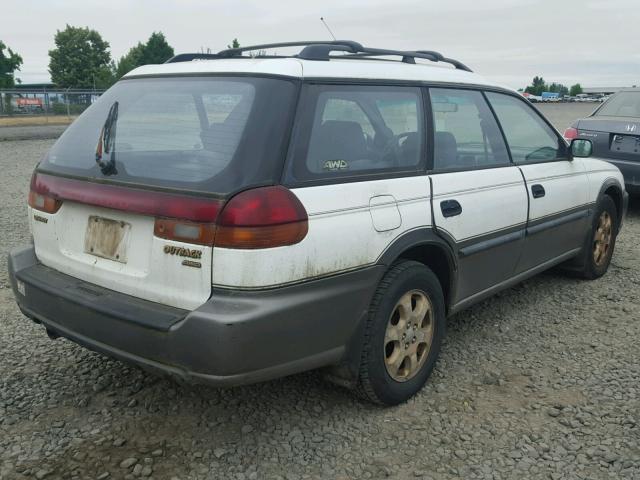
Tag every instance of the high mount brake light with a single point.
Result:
(264, 217)
(571, 133)
(146, 202)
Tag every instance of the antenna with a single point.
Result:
(327, 27)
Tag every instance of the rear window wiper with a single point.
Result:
(105, 150)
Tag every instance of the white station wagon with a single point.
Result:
(230, 219)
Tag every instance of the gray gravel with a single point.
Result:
(32, 132)
(540, 382)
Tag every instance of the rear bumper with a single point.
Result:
(236, 337)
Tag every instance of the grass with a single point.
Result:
(29, 120)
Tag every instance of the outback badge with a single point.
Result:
(182, 252)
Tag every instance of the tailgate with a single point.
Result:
(119, 251)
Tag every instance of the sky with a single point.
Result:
(592, 42)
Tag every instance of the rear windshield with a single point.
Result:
(208, 134)
(623, 104)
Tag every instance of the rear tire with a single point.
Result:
(601, 240)
(403, 334)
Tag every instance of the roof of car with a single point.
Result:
(335, 68)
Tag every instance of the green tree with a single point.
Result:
(81, 59)
(558, 88)
(575, 90)
(537, 86)
(131, 60)
(155, 50)
(9, 63)
(234, 44)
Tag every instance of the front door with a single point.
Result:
(479, 198)
(556, 185)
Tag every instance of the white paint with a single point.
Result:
(564, 182)
(341, 237)
(293, 67)
(385, 214)
(491, 200)
(149, 273)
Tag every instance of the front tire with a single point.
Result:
(403, 334)
(601, 240)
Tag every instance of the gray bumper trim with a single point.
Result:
(234, 338)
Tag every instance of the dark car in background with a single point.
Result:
(614, 131)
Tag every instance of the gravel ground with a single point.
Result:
(31, 132)
(540, 382)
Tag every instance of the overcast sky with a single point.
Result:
(594, 42)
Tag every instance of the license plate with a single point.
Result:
(107, 238)
(625, 144)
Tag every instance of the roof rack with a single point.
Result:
(322, 50)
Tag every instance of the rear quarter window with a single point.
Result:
(346, 131)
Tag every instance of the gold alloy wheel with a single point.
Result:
(409, 335)
(602, 239)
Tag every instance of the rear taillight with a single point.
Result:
(182, 231)
(571, 133)
(262, 218)
(40, 197)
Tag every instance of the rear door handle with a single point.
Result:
(450, 208)
(537, 191)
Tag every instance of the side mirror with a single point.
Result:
(581, 148)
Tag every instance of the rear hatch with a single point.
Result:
(614, 129)
(127, 198)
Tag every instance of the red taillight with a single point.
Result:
(40, 197)
(262, 218)
(571, 133)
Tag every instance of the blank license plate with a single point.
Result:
(625, 144)
(107, 238)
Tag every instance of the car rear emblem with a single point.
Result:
(631, 127)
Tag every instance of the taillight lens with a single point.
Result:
(571, 133)
(262, 218)
(41, 198)
(182, 231)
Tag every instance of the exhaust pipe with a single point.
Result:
(52, 335)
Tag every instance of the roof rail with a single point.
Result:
(321, 50)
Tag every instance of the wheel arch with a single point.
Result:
(422, 245)
(612, 188)
(426, 247)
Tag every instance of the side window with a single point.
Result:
(466, 134)
(339, 109)
(346, 131)
(530, 139)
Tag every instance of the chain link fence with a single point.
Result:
(46, 103)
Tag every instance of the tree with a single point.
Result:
(131, 60)
(9, 63)
(156, 50)
(575, 90)
(537, 86)
(234, 44)
(81, 59)
(558, 88)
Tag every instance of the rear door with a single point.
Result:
(556, 186)
(479, 199)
